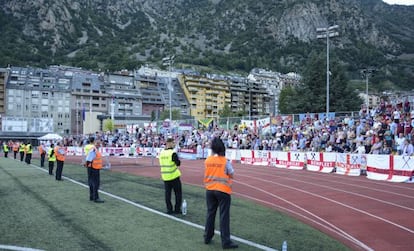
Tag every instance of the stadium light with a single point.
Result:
(169, 61)
(367, 73)
(326, 33)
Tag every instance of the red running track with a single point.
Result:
(363, 214)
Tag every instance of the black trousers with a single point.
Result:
(216, 199)
(59, 169)
(175, 185)
(42, 159)
(21, 156)
(15, 154)
(28, 158)
(94, 180)
(5, 154)
(51, 165)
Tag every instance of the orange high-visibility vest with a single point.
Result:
(60, 153)
(215, 177)
(41, 150)
(15, 147)
(97, 162)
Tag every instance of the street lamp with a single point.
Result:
(169, 61)
(367, 73)
(327, 32)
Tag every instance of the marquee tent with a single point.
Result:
(50, 136)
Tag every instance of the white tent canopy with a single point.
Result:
(50, 136)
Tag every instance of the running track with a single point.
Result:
(363, 214)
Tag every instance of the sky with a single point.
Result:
(402, 2)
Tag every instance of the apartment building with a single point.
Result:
(39, 99)
(160, 91)
(207, 96)
(88, 97)
(124, 98)
(240, 103)
(273, 83)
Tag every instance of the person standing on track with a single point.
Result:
(22, 149)
(60, 159)
(218, 178)
(15, 149)
(42, 152)
(5, 149)
(51, 157)
(86, 150)
(170, 174)
(28, 151)
(94, 165)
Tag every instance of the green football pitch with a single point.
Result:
(38, 212)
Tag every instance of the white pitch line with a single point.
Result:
(239, 239)
(7, 247)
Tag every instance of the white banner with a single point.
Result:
(389, 167)
(320, 161)
(290, 160)
(348, 164)
(246, 157)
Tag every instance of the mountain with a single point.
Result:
(229, 35)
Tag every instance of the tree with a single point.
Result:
(310, 96)
(175, 114)
(226, 111)
(342, 97)
(108, 125)
(286, 103)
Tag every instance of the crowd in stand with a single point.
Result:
(385, 129)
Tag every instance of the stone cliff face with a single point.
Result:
(281, 20)
(217, 26)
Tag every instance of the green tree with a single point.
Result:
(342, 97)
(226, 111)
(108, 125)
(310, 96)
(175, 114)
(286, 103)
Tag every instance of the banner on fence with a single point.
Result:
(290, 160)
(320, 161)
(389, 167)
(348, 164)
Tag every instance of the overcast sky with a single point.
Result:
(404, 2)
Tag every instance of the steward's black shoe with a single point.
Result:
(99, 201)
(231, 245)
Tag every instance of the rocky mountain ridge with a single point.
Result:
(228, 34)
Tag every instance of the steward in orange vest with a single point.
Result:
(95, 164)
(42, 152)
(60, 154)
(15, 149)
(218, 175)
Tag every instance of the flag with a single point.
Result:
(83, 112)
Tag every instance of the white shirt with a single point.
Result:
(408, 150)
(396, 114)
(360, 149)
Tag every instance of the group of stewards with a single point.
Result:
(58, 154)
(24, 149)
(218, 179)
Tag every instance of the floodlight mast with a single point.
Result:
(327, 32)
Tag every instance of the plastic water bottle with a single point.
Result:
(184, 207)
(284, 246)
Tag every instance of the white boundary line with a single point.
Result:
(239, 239)
(6, 247)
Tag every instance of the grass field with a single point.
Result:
(38, 212)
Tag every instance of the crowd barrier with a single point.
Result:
(393, 168)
